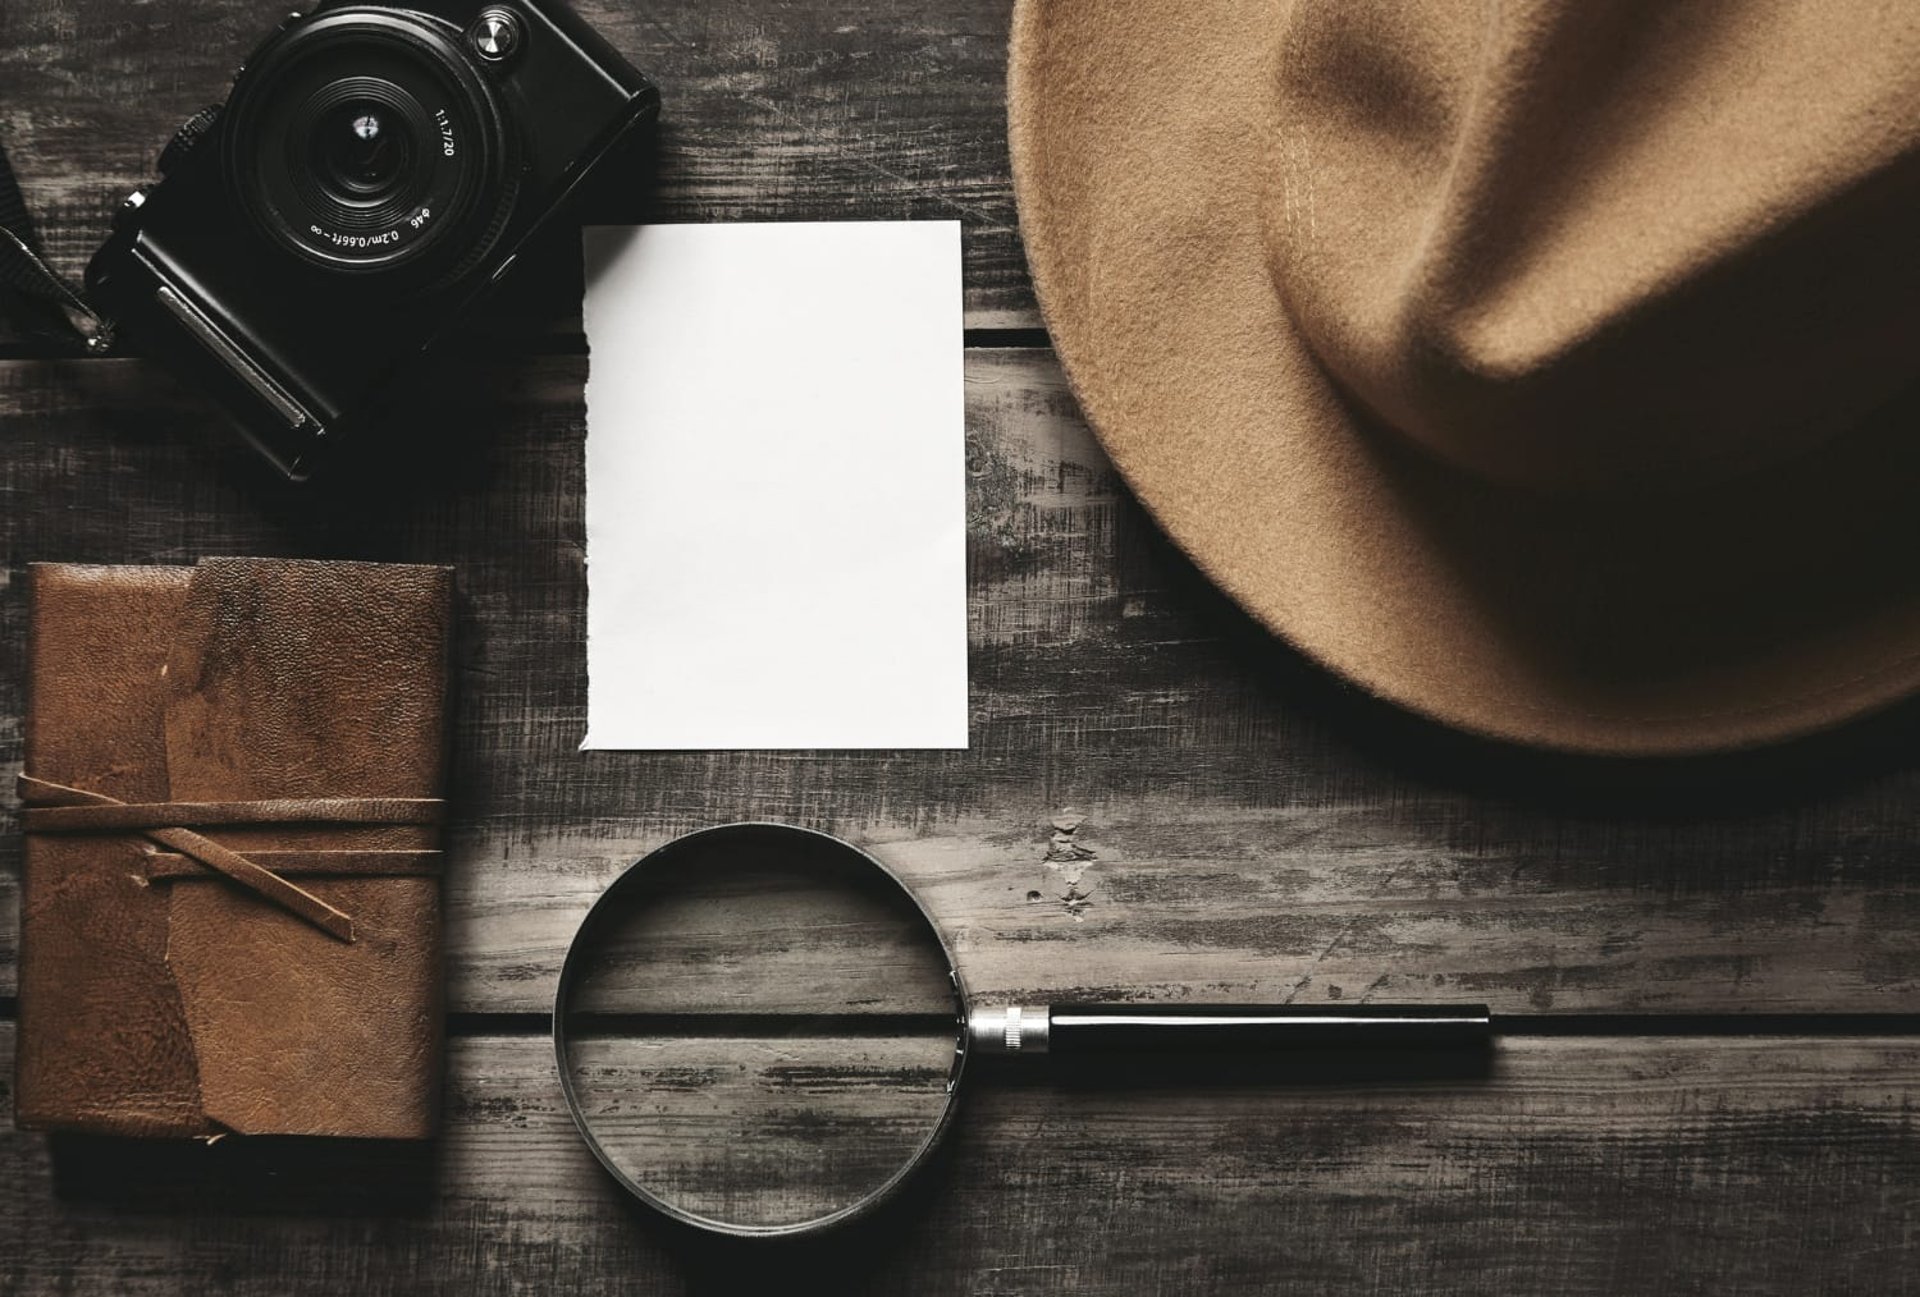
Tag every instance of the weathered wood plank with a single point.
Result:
(1577, 1166)
(766, 933)
(775, 110)
(1158, 801)
(774, 1129)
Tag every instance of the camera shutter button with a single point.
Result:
(496, 34)
(187, 138)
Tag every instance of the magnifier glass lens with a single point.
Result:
(759, 1028)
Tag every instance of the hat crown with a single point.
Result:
(1576, 244)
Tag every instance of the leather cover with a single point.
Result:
(157, 996)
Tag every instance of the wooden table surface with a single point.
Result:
(1712, 1071)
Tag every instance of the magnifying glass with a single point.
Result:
(760, 1031)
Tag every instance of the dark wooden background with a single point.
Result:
(1711, 1079)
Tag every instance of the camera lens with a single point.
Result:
(365, 141)
(361, 151)
(353, 168)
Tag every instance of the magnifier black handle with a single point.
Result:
(1253, 1028)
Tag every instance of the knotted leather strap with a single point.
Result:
(424, 863)
(116, 817)
(57, 808)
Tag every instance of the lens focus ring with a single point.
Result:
(355, 154)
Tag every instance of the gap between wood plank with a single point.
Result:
(838, 1025)
(542, 344)
(1515, 1025)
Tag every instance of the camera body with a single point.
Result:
(376, 168)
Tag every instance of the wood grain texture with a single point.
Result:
(1159, 801)
(770, 1130)
(774, 110)
(1767, 1165)
(787, 925)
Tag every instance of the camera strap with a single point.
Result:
(45, 303)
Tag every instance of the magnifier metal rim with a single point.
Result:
(854, 1210)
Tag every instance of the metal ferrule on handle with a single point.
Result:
(1181, 1028)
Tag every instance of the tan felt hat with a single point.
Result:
(1546, 368)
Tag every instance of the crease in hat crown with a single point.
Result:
(1548, 250)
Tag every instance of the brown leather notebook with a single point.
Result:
(230, 916)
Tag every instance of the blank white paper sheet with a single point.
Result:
(776, 487)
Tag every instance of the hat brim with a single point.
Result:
(1678, 623)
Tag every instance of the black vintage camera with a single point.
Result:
(376, 168)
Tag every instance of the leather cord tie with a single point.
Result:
(57, 808)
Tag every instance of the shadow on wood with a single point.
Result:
(256, 1176)
(1678, 788)
(1294, 1069)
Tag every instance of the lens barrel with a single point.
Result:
(364, 141)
